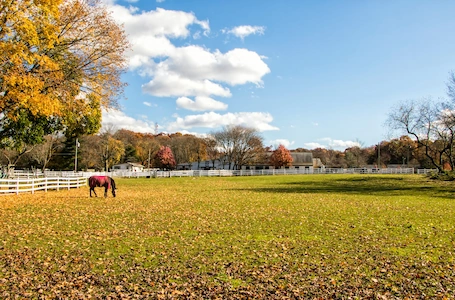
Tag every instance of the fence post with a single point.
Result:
(17, 186)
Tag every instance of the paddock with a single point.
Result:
(313, 236)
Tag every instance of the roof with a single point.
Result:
(302, 158)
(130, 164)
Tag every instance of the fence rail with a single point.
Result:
(26, 185)
(218, 173)
(223, 173)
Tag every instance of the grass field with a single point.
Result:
(273, 237)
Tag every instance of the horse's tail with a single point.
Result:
(112, 182)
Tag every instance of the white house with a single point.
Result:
(130, 167)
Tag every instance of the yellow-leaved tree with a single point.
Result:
(60, 64)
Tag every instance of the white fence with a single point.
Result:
(218, 173)
(30, 182)
(222, 173)
(26, 185)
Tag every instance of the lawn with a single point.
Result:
(304, 236)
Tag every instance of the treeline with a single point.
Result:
(400, 152)
(234, 147)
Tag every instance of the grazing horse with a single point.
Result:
(101, 181)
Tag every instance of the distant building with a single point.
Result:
(300, 160)
(129, 167)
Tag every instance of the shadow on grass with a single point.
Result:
(363, 185)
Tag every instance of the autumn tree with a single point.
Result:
(112, 151)
(238, 145)
(164, 158)
(201, 151)
(89, 153)
(281, 157)
(146, 150)
(100, 151)
(17, 136)
(187, 148)
(60, 63)
(130, 140)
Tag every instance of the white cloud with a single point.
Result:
(329, 143)
(340, 144)
(200, 103)
(120, 120)
(147, 103)
(192, 69)
(160, 1)
(286, 143)
(149, 32)
(173, 85)
(159, 22)
(258, 120)
(235, 67)
(314, 145)
(245, 30)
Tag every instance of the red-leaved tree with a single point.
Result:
(164, 158)
(281, 157)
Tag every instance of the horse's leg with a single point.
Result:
(105, 192)
(93, 189)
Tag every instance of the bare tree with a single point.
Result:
(213, 153)
(239, 145)
(431, 124)
(44, 152)
(185, 148)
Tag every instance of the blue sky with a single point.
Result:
(304, 73)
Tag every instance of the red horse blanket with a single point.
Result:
(99, 181)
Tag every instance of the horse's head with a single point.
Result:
(112, 186)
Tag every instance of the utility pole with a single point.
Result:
(107, 156)
(75, 157)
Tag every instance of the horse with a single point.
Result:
(101, 181)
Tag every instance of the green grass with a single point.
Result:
(307, 236)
